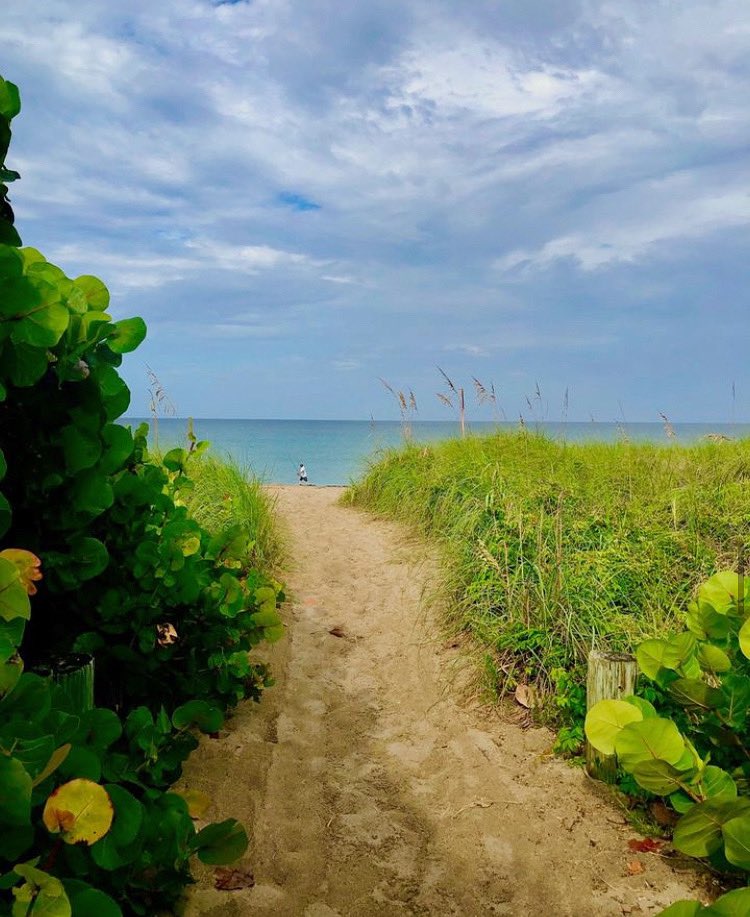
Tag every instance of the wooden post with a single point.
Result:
(75, 675)
(610, 677)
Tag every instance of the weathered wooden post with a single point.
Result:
(75, 675)
(610, 677)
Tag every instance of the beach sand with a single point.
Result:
(371, 783)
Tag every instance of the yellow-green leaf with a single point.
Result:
(80, 811)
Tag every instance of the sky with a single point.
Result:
(304, 196)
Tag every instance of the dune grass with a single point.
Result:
(226, 493)
(550, 548)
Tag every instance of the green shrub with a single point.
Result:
(701, 759)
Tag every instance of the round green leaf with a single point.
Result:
(91, 493)
(81, 448)
(737, 841)
(745, 638)
(99, 728)
(653, 655)
(713, 659)
(42, 326)
(128, 815)
(716, 783)
(646, 708)
(733, 904)
(10, 99)
(658, 777)
(115, 394)
(723, 590)
(654, 738)
(127, 335)
(15, 793)
(706, 623)
(605, 720)
(96, 293)
(90, 557)
(682, 909)
(220, 843)
(198, 713)
(94, 903)
(118, 447)
(14, 600)
(699, 833)
(693, 692)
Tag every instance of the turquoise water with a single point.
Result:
(337, 451)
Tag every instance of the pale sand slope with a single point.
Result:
(369, 788)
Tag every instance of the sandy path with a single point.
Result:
(370, 789)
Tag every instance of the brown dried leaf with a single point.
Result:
(232, 878)
(526, 696)
(337, 632)
(635, 868)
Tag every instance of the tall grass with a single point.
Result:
(551, 548)
(226, 493)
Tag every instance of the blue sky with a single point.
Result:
(301, 196)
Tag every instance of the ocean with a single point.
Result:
(337, 451)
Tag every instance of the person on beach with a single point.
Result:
(302, 474)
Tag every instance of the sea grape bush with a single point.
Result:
(83, 830)
(700, 756)
(168, 610)
(124, 563)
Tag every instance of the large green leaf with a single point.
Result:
(198, 713)
(716, 783)
(706, 623)
(25, 364)
(10, 99)
(81, 448)
(91, 493)
(733, 904)
(653, 739)
(115, 394)
(127, 335)
(118, 447)
(724, 590)
(96, 293)
(737, 841)
(699, 832)
(692, 692)
(220, 843)
(713, 658)
(654, 655)
(745, 638)
(14, 600)
(605, 720)
(110, 852)
(15, 793)
(682, 909)
(94, 903)
(89, 555)
(658, 777)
